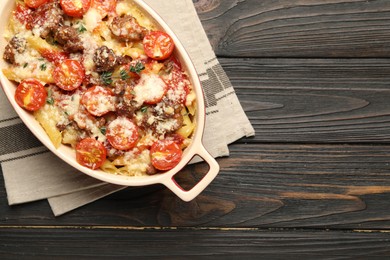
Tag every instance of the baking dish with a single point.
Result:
(167, 178)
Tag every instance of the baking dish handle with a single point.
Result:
(202, 184)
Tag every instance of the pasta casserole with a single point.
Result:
(101, 77)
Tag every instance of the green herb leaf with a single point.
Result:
(107, 78)
(25, 65)
(50, 100)
(103, 130)
(82, 28)
(43, 66)
(124, 75)
(66, 113)
(137, 68)
(144, 109)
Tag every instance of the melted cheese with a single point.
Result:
(150, 87)
(70, 104)
(165, 126)
(90, 45)
(124, 7)
(99, 102)
(92, 18)
(95, 130)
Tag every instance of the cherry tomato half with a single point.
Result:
(30, 94)
(98, 100)
(35, 3)
(165, 154)
(90, 153)
(23, 14)
(69, 75)
(158, 45)
(104, 6)
(179, 83)
(122, 133)
(54, 56)
(75, 8)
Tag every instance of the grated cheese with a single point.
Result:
(150, 87)
(122, 126)
(92, 18)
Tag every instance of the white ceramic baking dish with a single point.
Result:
(68, 155)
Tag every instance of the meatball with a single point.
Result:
(47, 18)
(127, 106)
(16, 45)
(124, 60)
(120, 87)
(69, 38)
(104, 59)
(170, 117)
(126, 28)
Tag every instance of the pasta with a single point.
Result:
(19, 74)
(103, 79)
(47, 117)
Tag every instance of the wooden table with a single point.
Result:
(314, 79)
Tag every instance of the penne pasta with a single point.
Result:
(48, 117)
(20, 74)
(188, 126)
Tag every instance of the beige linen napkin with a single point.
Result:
(32, 173)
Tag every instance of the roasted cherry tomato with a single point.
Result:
(90, 153)
(23, 14)
(104, 6)
(35, 3)
(122, 133)
(158, 45)
(30, 94)
(39, 17)
(69, 75)
(165, 154)
(179, 83)
(75, 8)
(132, 71)
(98, 100)
(54, 56)
(177, 138)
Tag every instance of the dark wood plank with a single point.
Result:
(260, 185)
(305, 28)
(314, 100)
(107, 243)
(309, 186)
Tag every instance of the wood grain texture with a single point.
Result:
(313, 183)
(260, 185)
(314, 100)
(64, 243)
(304, 28)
